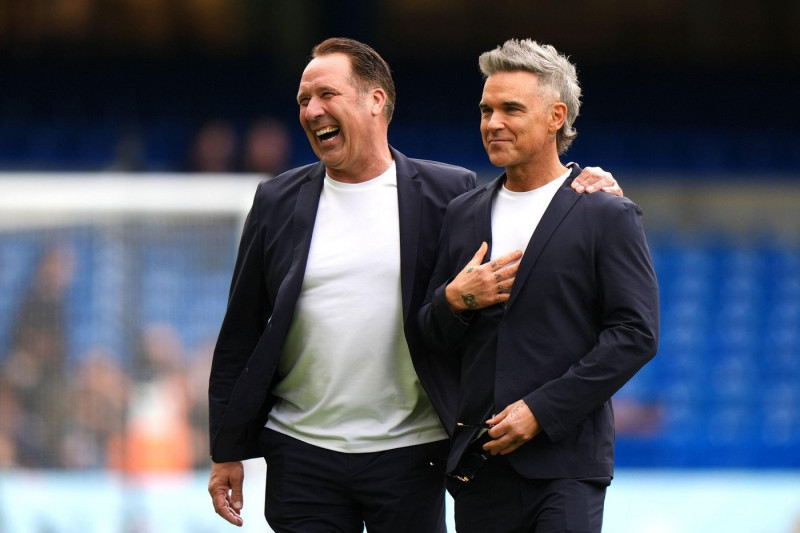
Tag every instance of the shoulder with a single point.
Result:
(597, 200)
(437, 167)
(438, 181)
(605, 214)
(431, 169)
(442, 176)
(277, 197)
(605, 203)
(291, 178)
(467, 200)
(288, 182)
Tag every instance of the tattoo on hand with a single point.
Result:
(469, 301)
(470, 269)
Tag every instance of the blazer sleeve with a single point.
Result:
(628, 336)
(245, 317)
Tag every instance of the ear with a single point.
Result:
(558, 114)
(377, 101)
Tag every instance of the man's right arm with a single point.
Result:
(244, 321)
(242, 326)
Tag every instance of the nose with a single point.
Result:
(313, 109)
(494, 122)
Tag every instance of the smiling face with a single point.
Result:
(519, 121)
(345, 127)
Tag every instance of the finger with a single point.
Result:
(614, 189)
(578, 186)
(512, 445)
(504, 289)
(224, 509)
(503, 260)
(591, 179)
(232, 516)
(607, 181)
(509, 272)
(493, 423)
(590, 176)
(503, 445)
(496, 419)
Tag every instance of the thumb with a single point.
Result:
(237, 499)
(477, 259)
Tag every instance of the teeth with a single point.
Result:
(323, 131)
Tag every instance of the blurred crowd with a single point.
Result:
(141, 413)
(147, 414)
(263, 148)
(216, 145)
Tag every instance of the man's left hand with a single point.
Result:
(593, 179)
(512, 428)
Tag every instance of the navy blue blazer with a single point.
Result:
(581, 320)
(266, 283)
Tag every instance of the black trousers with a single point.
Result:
(314, 490)
(499, 500)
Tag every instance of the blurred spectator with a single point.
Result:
(157, 435)
(634, 418)
(213, 148)
(267, 147)
(34, 369)
(39, 330)
(98, 402)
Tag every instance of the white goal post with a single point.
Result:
(51, 198)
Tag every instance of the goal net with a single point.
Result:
(112, 291)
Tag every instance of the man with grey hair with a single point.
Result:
(547, 320)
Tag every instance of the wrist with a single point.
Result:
(453, 298)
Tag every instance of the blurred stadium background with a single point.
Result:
(132, 133)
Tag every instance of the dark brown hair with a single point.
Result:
(369, 68)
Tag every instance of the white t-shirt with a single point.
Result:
(348, 383)
(515, 215)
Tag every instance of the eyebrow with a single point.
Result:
(504, 103)
(512, 103)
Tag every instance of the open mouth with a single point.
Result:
(328, 133)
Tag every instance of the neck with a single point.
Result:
(533, 176)
(379, 160)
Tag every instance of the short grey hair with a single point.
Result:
(555, 73)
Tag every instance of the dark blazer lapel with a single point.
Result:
(483, 214)
(305, 213)
(559, 206)
(409, 196)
